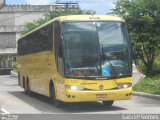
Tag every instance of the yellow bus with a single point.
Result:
(77, 58)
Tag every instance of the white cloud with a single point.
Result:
(38, 2)
(108, 3)
(100, 6)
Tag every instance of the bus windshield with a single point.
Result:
(96, 49)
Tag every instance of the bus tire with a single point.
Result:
(108, 103)
(53, 99)
(19, 79)
(24, 85)
(23, 81)
(28, 90)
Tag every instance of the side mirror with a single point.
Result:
(133, 52)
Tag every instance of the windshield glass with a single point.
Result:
(96, 49)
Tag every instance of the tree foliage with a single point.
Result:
(32, 25)
(55, 14)
(143, 20)
(36, 23)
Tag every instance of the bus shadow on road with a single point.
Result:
(90, 107)
(42, 103)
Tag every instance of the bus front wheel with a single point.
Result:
(108, 103)
(53, 99)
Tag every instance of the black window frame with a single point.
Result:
(58, 47)
(33, 42)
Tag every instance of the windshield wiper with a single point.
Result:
(112, 67)
(108, 60)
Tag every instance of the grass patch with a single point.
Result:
(15, 68)
(148, 85)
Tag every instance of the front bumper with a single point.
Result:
(89, 96)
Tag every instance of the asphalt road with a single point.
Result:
(14, 101)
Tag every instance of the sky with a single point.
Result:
(100, 6)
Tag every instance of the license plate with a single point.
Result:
(101, 95)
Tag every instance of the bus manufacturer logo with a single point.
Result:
(101, 87)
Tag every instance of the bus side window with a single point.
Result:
(58, 48)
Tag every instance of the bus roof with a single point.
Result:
(78, 18)
(88, 18)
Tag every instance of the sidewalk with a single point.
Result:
(14, 74)
(137, 74)
(146, 95)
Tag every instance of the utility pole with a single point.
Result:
(67, 4)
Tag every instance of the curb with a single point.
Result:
(14, 74)
(146, 95)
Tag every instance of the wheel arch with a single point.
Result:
(52, 83)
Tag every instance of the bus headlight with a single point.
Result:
(124, 85)
(72, 87)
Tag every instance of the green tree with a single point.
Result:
(143, 20)
(34, 24)
(55, 14)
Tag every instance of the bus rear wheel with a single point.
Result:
(53, 99)
(27, 88)
(108, 103)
